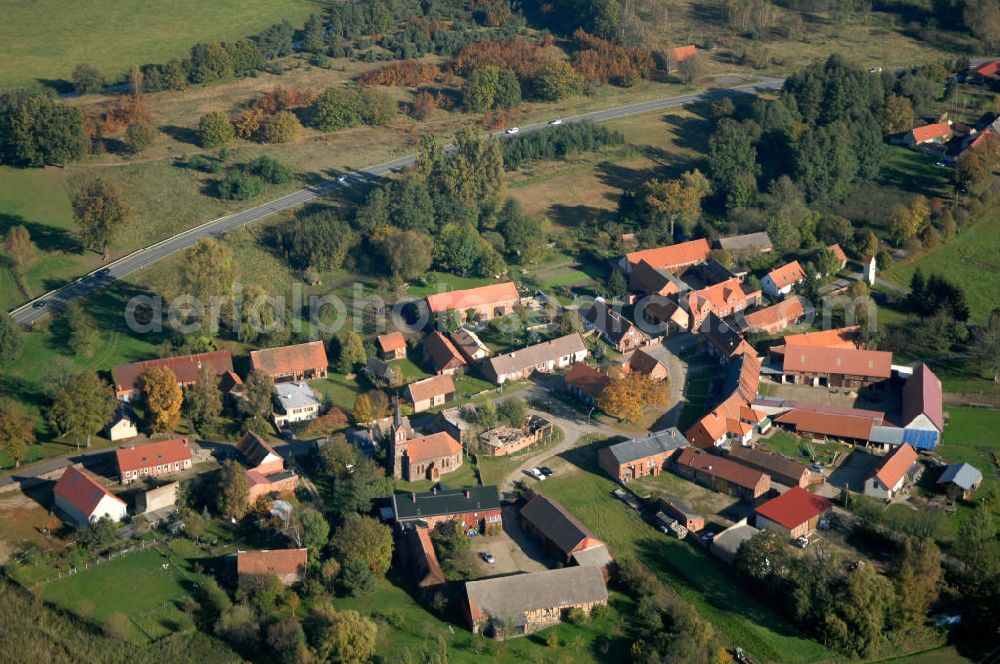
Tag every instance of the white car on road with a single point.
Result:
(513, 130)
(557, 121)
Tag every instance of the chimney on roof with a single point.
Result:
(468, 494)
(413, 496)
(434, 490)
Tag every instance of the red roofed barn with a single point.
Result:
(671, 257)
(492, 301)
(835, 367)
(186, 367)
(299, 362)
(152, 459)
(721, 474)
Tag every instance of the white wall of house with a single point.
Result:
(122, 429)
(770, 288)
(876, 489)
(297, 415)
(870, 272)
(111, 507)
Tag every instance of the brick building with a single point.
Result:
(476, 507)
(643, 456)
(128, 377)
(162, 457)
(794, 513)
(306, 361)
(721, 474)
(288, 565)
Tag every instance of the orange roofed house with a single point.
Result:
(299, 362)
(939, 132)
(430, 392)
(890, 477)
(127, 377)
(781, 280)
(486, 302)
(152, 459)
(392, 346)
(442, 354)
(723, 299)
(266, 471)
(776, 317)
(289, 565)
(672, 257)
(794, 513)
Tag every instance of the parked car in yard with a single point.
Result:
(488, 557)
(513, 130)
(801, 542)
(546, 470)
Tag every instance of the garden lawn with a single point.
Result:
(972, 260)
(45, 39)
(98, 592)
(706, 583)
(972, 435)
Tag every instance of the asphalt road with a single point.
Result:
(40, 307)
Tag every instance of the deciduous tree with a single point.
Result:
(84, 335)
(203, 400)
(345, 637)
(209, 270)
(626, 397)
(258, 391)
(352, 352)
(11, 340)
(101, 212)
(19, 247)
(215, 129)
(409, 253)
(364, 538)
(17, 432)
(897, 116)
(86, 79)
(232, 494)
(82, 406)
(163, 398)
(139, 136)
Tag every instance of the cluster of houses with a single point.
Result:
(81, 499)
(947, 139)
(508, 605)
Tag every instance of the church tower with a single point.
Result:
(398, 444)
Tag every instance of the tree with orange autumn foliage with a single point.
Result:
(517, 54)
(627, 396)
(410, 74)
(607, 62)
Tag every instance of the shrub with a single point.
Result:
(139, 136)
(86, 79)
(239, 186)
(270, 170)
(282, 127)
(215, 129)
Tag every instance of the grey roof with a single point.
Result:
(887, 435)
(511, 596)
(554, 522)
(595, 556)
(411, 506)
(681, 508)
(461, 417)
(760, 241)
(962, 475)
(657, 442)
(727, 543)
(295, 395)
(538, 354)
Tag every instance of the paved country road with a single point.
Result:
(90, 283)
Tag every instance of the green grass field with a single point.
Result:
(706, 583)
(972, 435)
(972, 260)
(45, 39)
(89, 593)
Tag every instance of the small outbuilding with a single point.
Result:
(960, 480)
(794, 513)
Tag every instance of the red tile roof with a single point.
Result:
(682, 53)
(840, 361)
(720, 467)
(81, 491)
(587, 379)
(787, 311)
(295, 359)
(787, 274)
(431, 387)
(829, 424)
(720, 297)
(922, 395)
(931, 132)
(794, 507)
(392, 341)
(185, 367)
(844, 337)
(990, 68)
(838, 252)
(434, 446)
(505, 293)
(255, 449)
(279, 562)
(895, 465)
(161, 452)
(673, 256)
(442, 352)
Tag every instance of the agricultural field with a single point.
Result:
(45, 39)
(972, 435)
(707, 584)
(972, 260)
